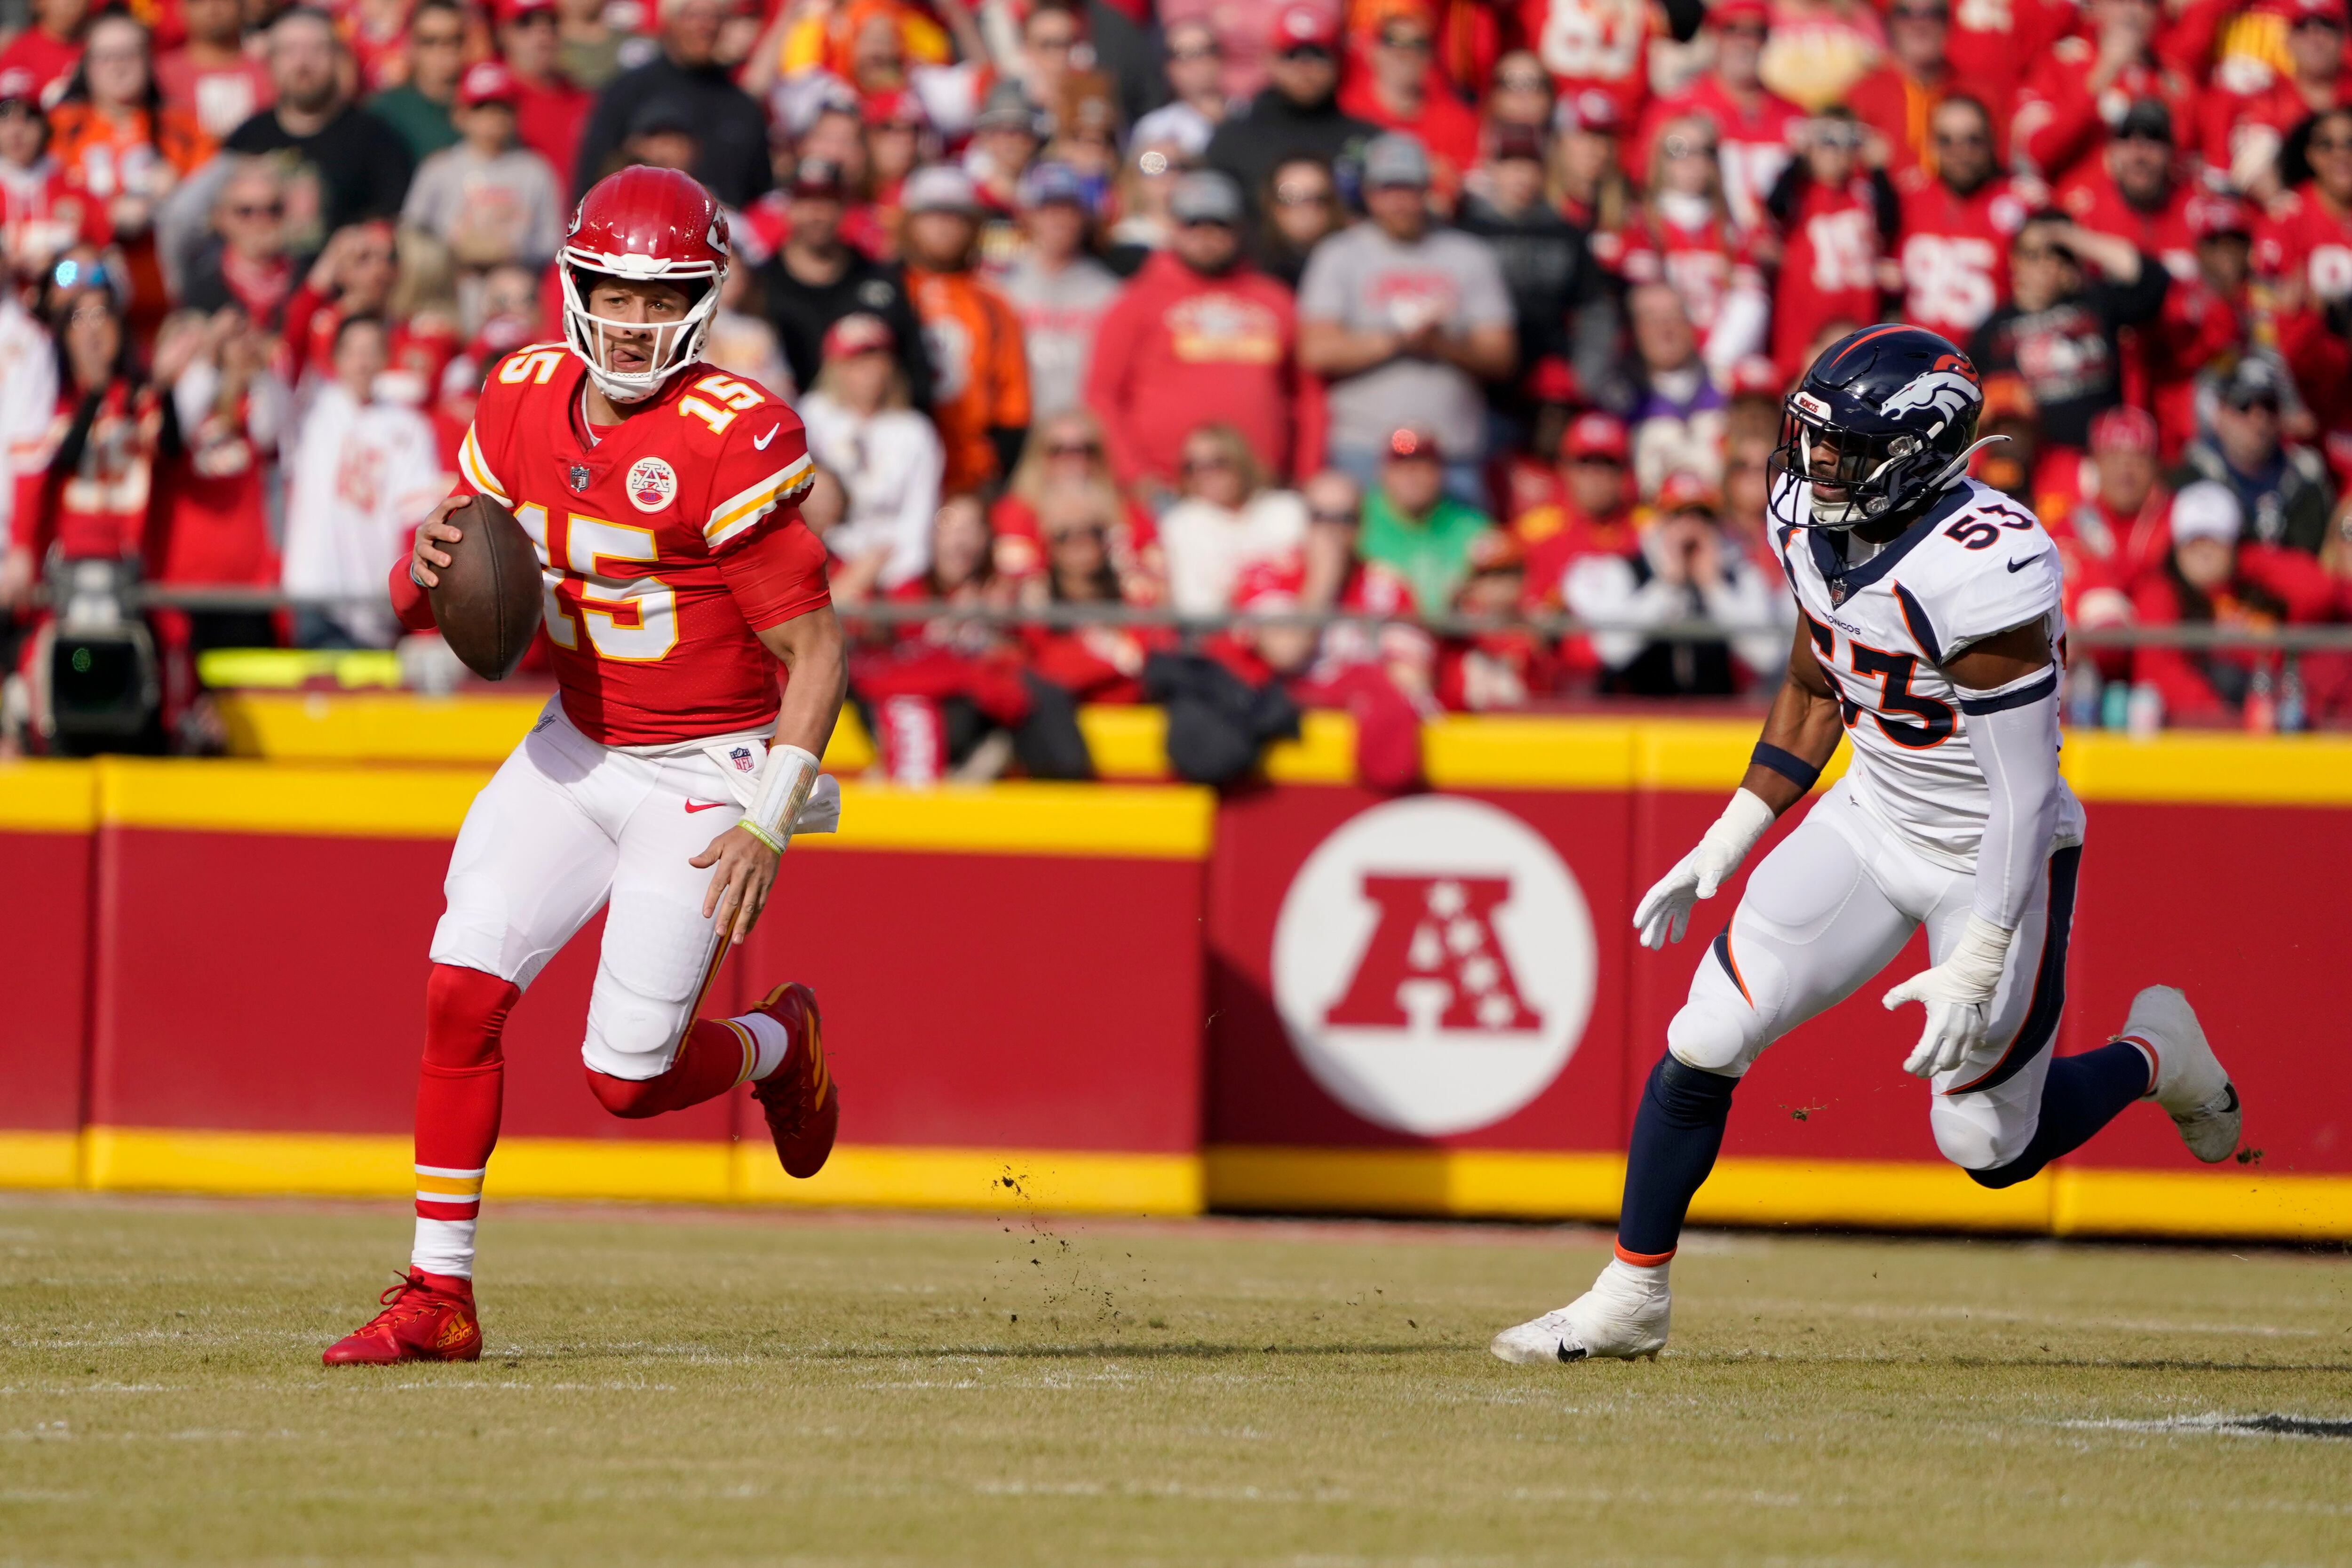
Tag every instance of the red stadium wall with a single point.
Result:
(1138, 998)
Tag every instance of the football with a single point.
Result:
(487, 603)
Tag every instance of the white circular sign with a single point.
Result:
(1434, 964)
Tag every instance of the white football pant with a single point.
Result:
(567, 823)
(1832, 907)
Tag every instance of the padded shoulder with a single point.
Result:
(1989, 566)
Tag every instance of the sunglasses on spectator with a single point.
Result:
(1918, 14)
(1198, 52)
(2041, 253)
(2330, 23)
(1316, 52)
(1411, 43)
(2331, 144)
(1836, 133)
(1073, 449)
(1325, 514)
(1207, 465)
(1090, 532)
(1523, 81)
(1302, 197)
(1597, 460)
(258, 209)
(2247, 402)
(535, 19)
(1689, 147)
(437, 41)
(1964, 139)
(1750, 30)
(2144, 133)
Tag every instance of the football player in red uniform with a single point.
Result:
(660, 494)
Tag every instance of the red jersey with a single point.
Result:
(219, 98)
(667, 541)
(51, 60)
(43, 213)
(2059, 124)
(1991, 43)
(2244, 131)
(2303, 237)
(1445, 126)
(1955, 251)
(1751, 142)
(1703, 264)
(1828, 267)
(1594, 45)
(101, 510)
(2091, 198)
(548, 118)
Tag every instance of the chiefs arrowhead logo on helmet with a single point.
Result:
(643, 226)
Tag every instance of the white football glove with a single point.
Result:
(1665, 911)
(1958, 994)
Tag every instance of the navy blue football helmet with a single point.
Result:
(1883, 424)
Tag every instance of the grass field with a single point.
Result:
(723, 1386)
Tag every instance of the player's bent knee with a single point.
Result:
(1710, 1037)
(465, 1013)
(633, 1098)
(1984, 1146)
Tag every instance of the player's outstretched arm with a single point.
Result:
(2008, 688)
(744, 858)
(1800, 733)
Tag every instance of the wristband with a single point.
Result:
(785, 780)
(760, 833)
(1788, 765)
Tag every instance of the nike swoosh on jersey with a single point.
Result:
(705, 804)
(2021, 565)
(759, 443)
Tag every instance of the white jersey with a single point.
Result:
(1975, 564)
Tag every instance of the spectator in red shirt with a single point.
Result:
(2129, 189)
(1896, 98)
(2074, 94)
(2244, 131)
(1096, 663)
(1397, 88)
(245, 263)
(550, 107)
(1837, 222)
(1591, 511)
(211, 78)
(2209, 577)
(1752, 124)
(1957, 224)
(1200, 330)
(2111, 538)
(41, 210)
(51, 47)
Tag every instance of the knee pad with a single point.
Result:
(1979, 1140)
(1709, 1034)
(465, 1013)
(631, 1037)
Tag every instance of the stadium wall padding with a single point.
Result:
(1067, 997)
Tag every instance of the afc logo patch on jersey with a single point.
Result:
(653, 484)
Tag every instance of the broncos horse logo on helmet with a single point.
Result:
(1884, 423)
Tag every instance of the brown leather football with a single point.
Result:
(487, 603)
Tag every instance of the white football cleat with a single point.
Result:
(1623, 1317)
(2190, 1082)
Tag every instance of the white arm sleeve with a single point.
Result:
(2014, 731)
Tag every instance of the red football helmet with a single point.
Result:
(641, 224)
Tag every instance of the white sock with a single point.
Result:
(770, 1042)
(1645, 1279)
(443, 1247)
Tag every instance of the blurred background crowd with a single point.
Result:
(1124, 329)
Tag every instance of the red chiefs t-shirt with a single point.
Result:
(1701, 263)
(1751, 141)
(1828, 267)
(2303, 237)
(668, 541)
(1592, 46)
(2092, 199)
(1955, 251)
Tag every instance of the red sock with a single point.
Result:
(711, 1059)
(458, 1090)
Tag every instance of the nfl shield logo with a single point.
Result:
(1837, 590)
(742, 757)
(579, 476)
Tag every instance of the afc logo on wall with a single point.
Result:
(1433, 965)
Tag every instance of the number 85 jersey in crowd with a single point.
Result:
(1883, 624)
(666, 540)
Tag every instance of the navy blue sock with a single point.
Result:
(1676, 1134)
(2082, 1094)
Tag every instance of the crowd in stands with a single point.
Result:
(1428, 311)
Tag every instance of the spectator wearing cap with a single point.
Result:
(1249, 33)
(347, 165)
(1499, 669)
(51, 47)
(1226, 519)
(2281, 492)
(1199, 332)
(729, 127)
(1752, 124)
(2061, 330)
(2130, 189)
(488, 199)
(980, 397)
(1407, 322)
(210, 77)
(550, 108)
(817, 277)
(1298, 112)
(419, 108)
(1399, 88)
(897, 138)
(1413, 527)
(1682, 568)
(2244, 132)
(1297, 211)
(1562, 305)
(1005, 137)
(1589, 170)
(2110, 537)
(2218, 574)
(1197, 105)
(2060, 119)
(1589, 511)
(1057, 289)
(1896, 98)
(1838, 218)
(888, 457)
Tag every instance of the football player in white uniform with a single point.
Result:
(1929, 630)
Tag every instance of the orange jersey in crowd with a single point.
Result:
(980, 365)
(667, 541)
(112, 157)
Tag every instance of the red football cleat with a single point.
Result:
(802, 1101)
(426, 1317)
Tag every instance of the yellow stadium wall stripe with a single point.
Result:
(40, 1159)
(1437, 1181)
(2190, 767)
(48, 797)
(1148, 821)
(1522, 752)
(2091, 1200)
(131, 1159)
